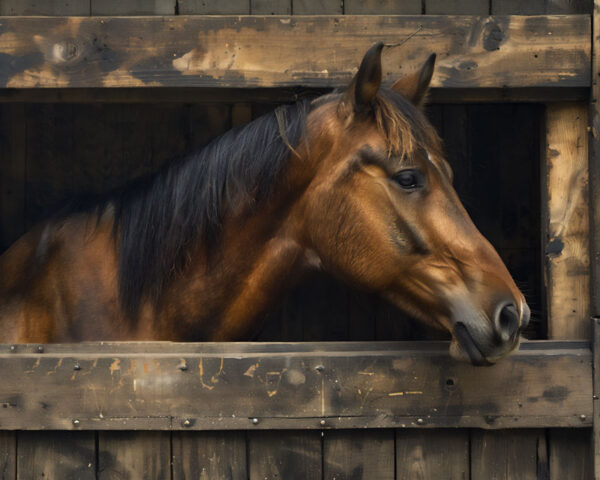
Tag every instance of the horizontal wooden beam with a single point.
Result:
(280, 51)
(220, 386)
(273, 95)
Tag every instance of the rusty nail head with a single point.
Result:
(255, 421)
(319, 368)
(40, 349)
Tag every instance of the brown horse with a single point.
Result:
(354, 183)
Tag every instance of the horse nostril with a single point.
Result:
(507, 322)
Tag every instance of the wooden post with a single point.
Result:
(594, 199)
(566, 221)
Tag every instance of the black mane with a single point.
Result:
(159, 218)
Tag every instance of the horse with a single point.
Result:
(353, 182)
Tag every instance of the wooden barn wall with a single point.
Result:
(49, 152)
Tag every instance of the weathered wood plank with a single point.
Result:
(570, 454)
(432, 454)
(214, 7)
(567, 221)
(594, 166)
(270, 7)
(133, 455)
(207, 455)
(457, 7)
(65, 455)
(505, 454)
(269, 95)
(223, 51)
(45, 7)
(357, 454)
(596, 423)
(382, 7)
(282, 455)
(225, 389)
(540, 7)
(318, 7)
(8, 455)
(133, 7)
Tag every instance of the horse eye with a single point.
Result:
(409, 179)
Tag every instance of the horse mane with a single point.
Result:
(161, 217)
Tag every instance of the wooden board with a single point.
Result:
(270, 7)
(65, 455)
(207, 455)
(8, 455)
(45, 7)
(133, 7)
(356, 454)
(538, 7)
(432, 454)
(283, 455)
(457, 7)
(282, 386)
(318, 7)
(214, 7)
(570, 454)
(490, 52)
(594, 167)
(133, 455)
(382, 7)
(567, 221)
(505, 454)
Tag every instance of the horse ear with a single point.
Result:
(415, 86)
(366, 82)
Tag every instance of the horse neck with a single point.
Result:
(221, 296)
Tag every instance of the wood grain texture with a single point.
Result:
(207, 455)
(423, 455)
(133, 7)
(570, 454)
(64, 455)
(594, 166)
(214, 7)
(318, 7)
(133, 455)
(283, 455)
(236, 51)
(457, 7)
(540, 7)
(567, 224)
(45, 7)
(8, 455)
(596, 425)
(356, 454)
(505, 454)
(270, 7)
(13, 148)
(382, 7)
(351, 388)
